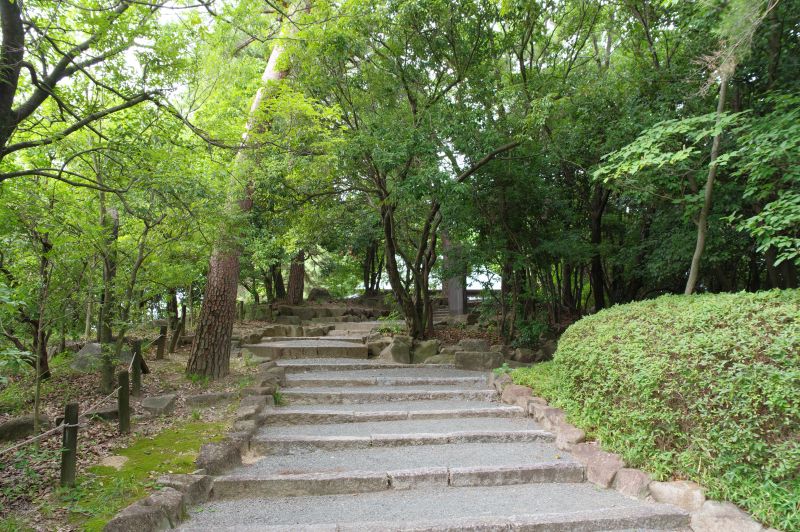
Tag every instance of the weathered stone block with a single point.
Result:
(425, 349)
(514, 394)
(473, 344)
(682, 493)
(717, 516)
(20, 427)
(217, 457)
(194, 487)
(478, 360)
(500, 381)
(160, 404)
(397, 351)
(568, 435)
(287, 320)
(601, 466)
(632, 482)
(418, 478)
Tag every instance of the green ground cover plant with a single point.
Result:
(704, 387)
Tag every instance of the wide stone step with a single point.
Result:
(305, 365)
(308, 348)
(295, 444)
(548, 507)
(334, 483)
(383, 376)
(392, 411)
(380, 394)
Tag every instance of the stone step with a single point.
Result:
(345, 381)
(389, 376)
(392, 411)
(380, 394)
(296, 444)
(344, 364)
(308, 348)
(408, 426)
(551, 507)
(334, 483)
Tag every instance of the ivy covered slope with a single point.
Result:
(704, 388)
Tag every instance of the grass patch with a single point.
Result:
(703, 387)
(103, 491)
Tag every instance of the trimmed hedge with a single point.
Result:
(703, 387)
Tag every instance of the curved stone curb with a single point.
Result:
(608, 470)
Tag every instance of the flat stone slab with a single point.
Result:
(567, 506)
(160, 404)
(383, 459)
(426, 426)
(308, 348)
(389, 377)
(397, 410)
(345, 364)
(377, 394)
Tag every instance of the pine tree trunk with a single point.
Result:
(211, 348)
(297, 276)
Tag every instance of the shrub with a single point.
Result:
(703, 387)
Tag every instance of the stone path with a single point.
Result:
(366, 445)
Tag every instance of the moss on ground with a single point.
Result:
(702, 387)
(103, 491)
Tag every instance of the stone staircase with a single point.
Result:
(369, 445)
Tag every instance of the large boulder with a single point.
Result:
(473, 344)
(88, 358)
(160, 404)
(425, 349)
(20, 427)
(441, 358)
(377, 345)
(397, 351)
(478, 360)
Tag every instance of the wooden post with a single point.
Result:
(162, 342)
(241, 310)
(176, 337)
(136, 369)
(124, 404)
(69, 445)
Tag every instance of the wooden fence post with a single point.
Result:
(124, 404)
(69, 445)
(136, 368)
(162, 342)
(176, 337)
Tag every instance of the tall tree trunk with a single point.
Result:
(110, 222)
(702, 219)
(596, 276)
(297, 277)
(277, 281)
(211, 348)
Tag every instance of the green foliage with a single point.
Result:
(278, 397)
(505, 368)
(541, 378)
(529, 333)
(196, 378)
(704, 387)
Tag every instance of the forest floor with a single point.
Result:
(29, 497)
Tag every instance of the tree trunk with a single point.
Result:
(297, 276)
(211, 348)
(596, 276)
(110, 222)
(702, 220)
(277, 282)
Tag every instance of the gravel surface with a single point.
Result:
(401, 427)
(390, 458)
(410, 505)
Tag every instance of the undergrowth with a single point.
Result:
(704, 387)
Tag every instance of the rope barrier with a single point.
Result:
(91, 410)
